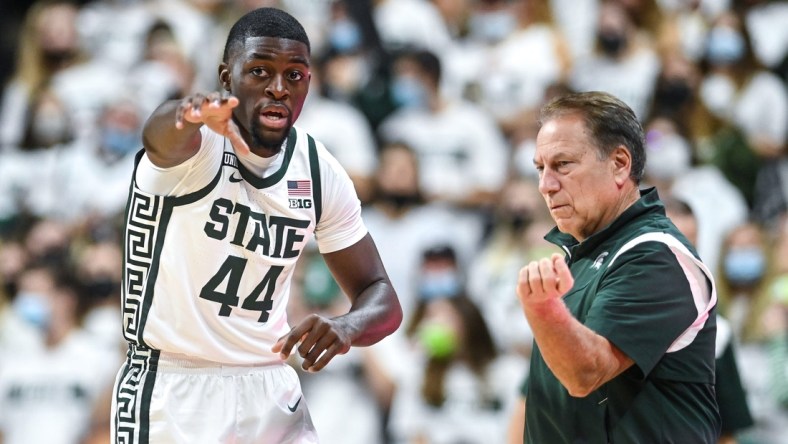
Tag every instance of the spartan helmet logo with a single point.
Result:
(598, 261)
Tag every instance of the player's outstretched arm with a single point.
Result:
(374, 314)
(171, 134)
(580, 358)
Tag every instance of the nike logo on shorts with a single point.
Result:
(295, 406)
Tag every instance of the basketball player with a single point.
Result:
(224, 199)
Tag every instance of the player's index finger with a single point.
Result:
(296, 334)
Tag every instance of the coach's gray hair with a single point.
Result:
(610, 122)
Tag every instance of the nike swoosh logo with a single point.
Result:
(295, 406)
(235, 179)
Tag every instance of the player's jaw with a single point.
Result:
(270, 125)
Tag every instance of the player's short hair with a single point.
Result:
(265, 22)
(610, 121)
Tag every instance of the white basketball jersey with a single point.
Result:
(207, 274)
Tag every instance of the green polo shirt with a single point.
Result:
(642, 301)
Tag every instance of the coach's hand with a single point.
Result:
(215, 111)
(545, 279)
(320, 340)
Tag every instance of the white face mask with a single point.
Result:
(668, 155)
(718, 93)
(50, 128)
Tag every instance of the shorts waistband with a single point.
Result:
(167, 362)
(178, 363)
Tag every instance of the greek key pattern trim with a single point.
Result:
(141, 231)
(132, 396)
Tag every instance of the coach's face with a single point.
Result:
(270, 77)
(583, 192)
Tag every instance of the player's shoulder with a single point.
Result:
(306, 142)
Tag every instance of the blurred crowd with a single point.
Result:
(431, 106)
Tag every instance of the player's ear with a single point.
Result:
(224, 76)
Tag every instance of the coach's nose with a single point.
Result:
(548, 182)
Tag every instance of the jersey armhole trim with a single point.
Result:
(314, 168)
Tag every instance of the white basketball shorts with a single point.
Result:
(163, 398)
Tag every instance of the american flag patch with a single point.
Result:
(299, 187)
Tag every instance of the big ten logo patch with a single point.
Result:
(300, 203)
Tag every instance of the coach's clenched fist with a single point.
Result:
(545, 279)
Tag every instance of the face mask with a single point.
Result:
(744, 266)
(120, 142)
(442, 284)
(50, 128)
(344, 36)
(10, 288)
(408, 92)
(101, 288)
(668, 155)
(611, 42)
(57, 58)
(33, 308)
(400, 200)
(718, 93)
(672, 94)
(724, 45)
(517, 220)
(438, 340)
(492, 27)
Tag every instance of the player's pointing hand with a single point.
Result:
(215, 111)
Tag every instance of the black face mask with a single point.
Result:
(10, 288)
(612, 43)
(101, 288)
(520, 220)
(673, 93)
(400, 201)
(58, 58)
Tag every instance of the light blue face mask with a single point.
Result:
(492, 26)
(408, 92)
(34, 309)
(344, 36)
(744, 266)
(724, 45)
(443, 284)
(120, 142)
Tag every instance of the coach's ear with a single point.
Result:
(224, 76)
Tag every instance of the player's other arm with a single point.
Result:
(375, 311)
(580, 359)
